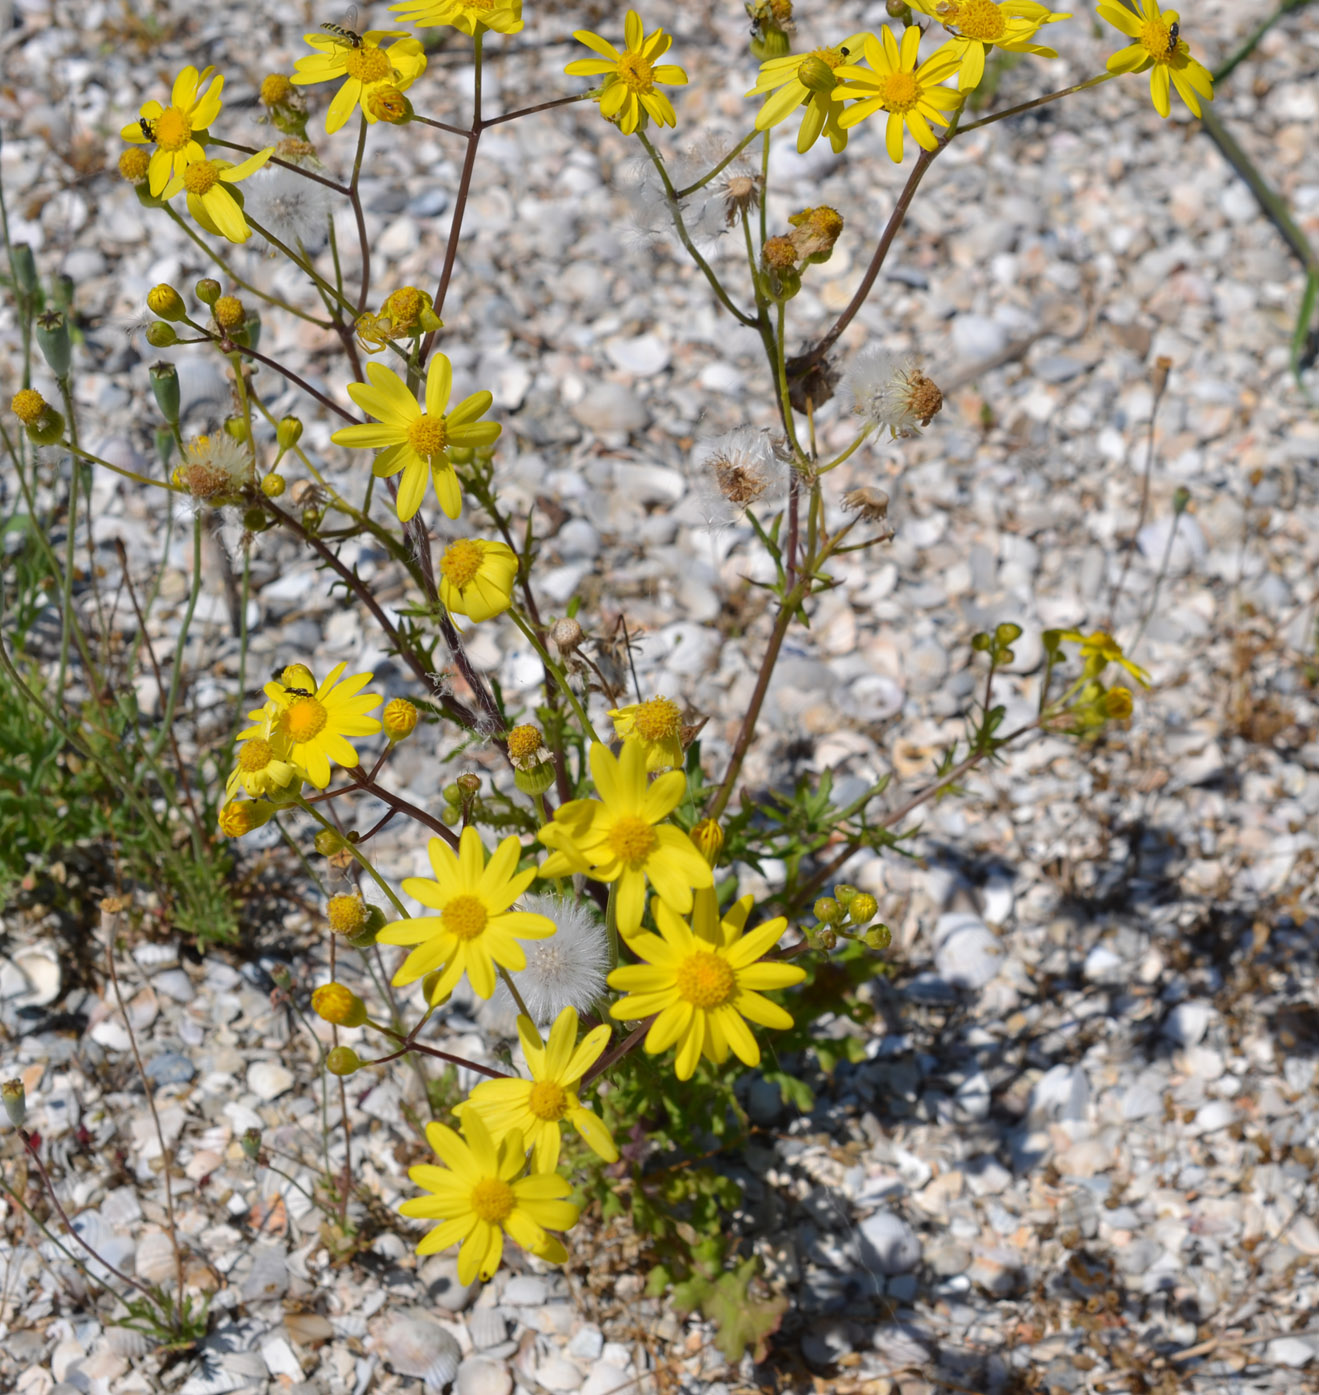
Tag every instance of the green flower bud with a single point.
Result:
(208, 290)
(15, 1101)
(236, 427)
(452, 794)
(980, 642)
(878, 937)
(329, 841)
(843, 894)
(161, 335)
(769, 43)
(815, 75)
(48, 429)
(828, 911)
(343, 1060)
(1007, 633)
(165, 387)
(826, 938)
(54, 343)
(251, 1143)
(25, 268)
(288, 433)
(536, 780)
(257, 520)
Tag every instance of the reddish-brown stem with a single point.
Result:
(294, 379)
(401, 806)
(410, 1045)
(798, 366)
(452, 708)
(68, 1224)
(616, 1053)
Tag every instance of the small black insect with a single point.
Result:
(298, 692)
(1174, 36)
(146, 128)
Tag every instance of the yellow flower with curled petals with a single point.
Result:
(807, 80)
(309, 726)
(1098, 650)
(365, 66)
(469, 16)
(537, 1108)
(476, 578)
(628, 95)
(210, 200)
(417, 438)
(979, 25)
(1159, 47)
(475, 928)
(622, 837)
(479, 1196)
(178, 131)
(911, 95)
(702, 992)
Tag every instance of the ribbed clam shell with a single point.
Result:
(487, 1327)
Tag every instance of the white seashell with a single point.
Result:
(156, 956)
(40, 967)
(487, 1327)
(155, 1257)
(127, 1341)
(414, 1344)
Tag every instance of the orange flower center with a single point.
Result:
(464, 917)
(493, 1200)
(255, 755)
(899, 91)
(523, 741)
(461, 562)
(172, 130)
(367, 64)
(548, 1101)
(636, 72)
(427, 436)
(305, 719)
(200, 177)
(706, 980)
(977, 19)
(632, 840)
(658, 720)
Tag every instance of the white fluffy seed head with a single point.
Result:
(890, 390)
(735, 472)
(294, 208)
(566, 970)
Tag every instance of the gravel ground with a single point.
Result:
(1080, 1151)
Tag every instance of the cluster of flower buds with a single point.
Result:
(848, 914)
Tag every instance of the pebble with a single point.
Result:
(267, 1080)
(890, 1243)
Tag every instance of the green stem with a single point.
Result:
(706, 270)
(513, 989)
(560, 677)
(719, 168)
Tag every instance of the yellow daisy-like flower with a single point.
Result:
(893, 83)
(622, 837)
(178, 130)
(209, 198)
(808, 80)
(1160, 48)
(656, 725)
(701, 992)
(470, 16)
(262, 770)
(416, 440)
(979, 25)
(311, 727)
(628, 95)
(476, 578)
(475, 929)
(1098, 650)
(536, 1108)
(366, 66)
(479, 1196)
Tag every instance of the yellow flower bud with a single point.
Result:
(864, 908)
(332, 1002)
(399, 719)
(166, 302)
(28, 406)
(229, 313)
(240, 816)
(276, 90)
(709, 838)
(288, 433)
(1117, 703)
(347, 913)
(133, 164)
(272, 485)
